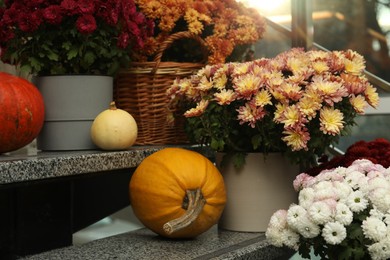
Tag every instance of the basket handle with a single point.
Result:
(177, 36)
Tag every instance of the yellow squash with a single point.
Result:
(114, 129)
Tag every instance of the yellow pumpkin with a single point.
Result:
(177, 193)
(114, 129)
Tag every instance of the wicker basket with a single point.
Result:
(141, 91)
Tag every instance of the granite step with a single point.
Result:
(144, 244)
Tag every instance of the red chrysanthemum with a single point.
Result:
(52, 14)
(86, 24)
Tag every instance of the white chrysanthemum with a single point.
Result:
(380, 198)
(324, 190)
(279, 219)
(378, 182)
(374, 212)
(306, 197)
(334, 233)
(274, 236)
(329, 176)
(356, 201)
(353, 178)
(375, 174)
(343, 214)
(307, 228)
(342, 190)
(374, 229)
(294, 215)
(290, 238)
(363, 165)
(320, 212)
(380, 250)
(340, 170)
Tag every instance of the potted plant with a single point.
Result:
(297, 103)
(83, 39)
(289, 108)
(342, 213)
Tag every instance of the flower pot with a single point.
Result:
(71, 103)
(255, 191)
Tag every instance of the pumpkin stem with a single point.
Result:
(195, 207)
(112, 105)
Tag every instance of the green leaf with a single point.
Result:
(35, 64)
(239, 160)
(73, 52)
(89, 58)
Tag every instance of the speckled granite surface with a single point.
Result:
(19, 168)
(144, 244)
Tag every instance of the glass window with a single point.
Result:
(360, 25)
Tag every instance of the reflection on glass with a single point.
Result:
(278, 11)
(359, 25)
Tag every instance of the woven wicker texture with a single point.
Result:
(141, 91)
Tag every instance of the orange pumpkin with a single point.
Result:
(177, 193)
(22, 112)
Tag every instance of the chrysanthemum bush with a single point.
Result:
(297, 103)
(343, 213)
(71, 37)
(225, 25)
(377, 151)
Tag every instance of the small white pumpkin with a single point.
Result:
(114, 129)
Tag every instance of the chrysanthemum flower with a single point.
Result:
(354, 63)
(331, 121)
(356, 201)
(250, 114)
(343, 214)
(198, 110)
(262, 98)
(359, 103)
(374, 229)
(320, 212)
(296, 138)
(246, 86)
(334, 233)
(372, 96)
(225, 97)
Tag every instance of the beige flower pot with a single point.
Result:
(256, 191)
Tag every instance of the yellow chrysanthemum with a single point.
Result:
(195, 27)
(309, 106)
(198, 110)
(356, 64)
(262, 98)
(295, 139)
(220, 81)
(372, 96)
(241, 68)
(298, 64)
(225, 97)
(246, 85)
(359, 103)
(320, 66)
(331, 121)
(278, 115)
(204, 84)
(291, 116)
(354, 67)
(326, 87)
(191, 15)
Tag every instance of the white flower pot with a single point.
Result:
(256, 191)
(71, 104)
